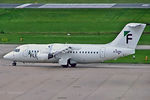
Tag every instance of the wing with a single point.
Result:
(61, 48)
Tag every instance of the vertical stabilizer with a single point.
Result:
(129, 36)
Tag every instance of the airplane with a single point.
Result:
(69, 55)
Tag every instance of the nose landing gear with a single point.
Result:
(14, 63)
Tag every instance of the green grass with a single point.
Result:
(63, 38)
(52, 25)
(139, 58)
(70, 20)
(56, 38)
(74, 1)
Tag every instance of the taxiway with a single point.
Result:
(87, 82)
(77, 5)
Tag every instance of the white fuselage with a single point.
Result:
(87, 53)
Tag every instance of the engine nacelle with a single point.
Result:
(50, 56)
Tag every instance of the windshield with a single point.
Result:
(17, 50)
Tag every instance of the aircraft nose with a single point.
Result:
(9, 56)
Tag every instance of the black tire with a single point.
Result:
(14, 64)
(73, 65)
(65, 66)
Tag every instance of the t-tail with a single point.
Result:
(129, 36)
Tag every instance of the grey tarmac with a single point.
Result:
(86, 82)
(77, 5)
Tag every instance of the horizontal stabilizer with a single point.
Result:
(133, 25)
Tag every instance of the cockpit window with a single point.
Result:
(17, 50)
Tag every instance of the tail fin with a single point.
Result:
(129, 36)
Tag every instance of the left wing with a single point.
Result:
(60, 48)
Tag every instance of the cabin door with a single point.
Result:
(102, 52)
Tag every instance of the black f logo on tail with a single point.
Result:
(128, 37)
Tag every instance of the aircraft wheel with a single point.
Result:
(14, 63)
(73, 65)
(65, 66)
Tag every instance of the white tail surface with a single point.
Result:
(129, 36)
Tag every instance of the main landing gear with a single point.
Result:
(65, 66)
(69, 65)
(14, 63)
(73, 65)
